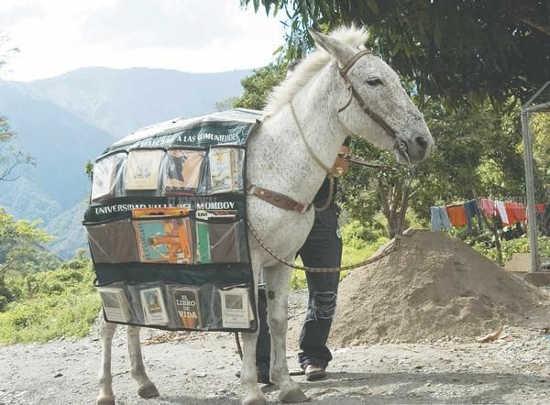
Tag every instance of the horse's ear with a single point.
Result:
(340, 50)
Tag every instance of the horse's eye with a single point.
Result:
(374, 81)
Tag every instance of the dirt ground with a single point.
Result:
(200, 368)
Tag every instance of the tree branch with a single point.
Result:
(541, 28)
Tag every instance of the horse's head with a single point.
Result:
(372, 103)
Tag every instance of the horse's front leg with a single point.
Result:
(277, 280)
(107, 330)
(146, 388)
(249, 378)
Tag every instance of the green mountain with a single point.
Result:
(65, 121)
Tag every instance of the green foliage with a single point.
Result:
(10, 158)
(51, 304)
(455, 49)
(477, 154)
(21, 252)
(510, 247)
(258, 86)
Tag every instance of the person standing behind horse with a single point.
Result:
(323, 248)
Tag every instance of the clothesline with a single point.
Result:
(460, 215)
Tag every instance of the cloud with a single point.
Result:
(191, 35)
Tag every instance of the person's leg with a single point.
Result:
(323, 248)
(263, 347)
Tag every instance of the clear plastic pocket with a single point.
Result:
(225, 171)
(113, 242)
(163, 235)
(182, 171)
(236, 308)
(219, 237)
(148, 301)
(194, 307)
(107, 177)
(142, 171)
(116, 305)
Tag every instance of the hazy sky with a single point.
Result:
(55, 36)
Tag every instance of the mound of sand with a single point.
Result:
(432, 287)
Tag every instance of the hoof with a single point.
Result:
(254, 401)
(148, 391)
(293, 395)
(105, 401)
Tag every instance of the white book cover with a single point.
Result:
(154, 309)
(236, 309)
(221, 171)
(115, 304)
(142, 169)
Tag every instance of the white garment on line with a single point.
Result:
(502, 212)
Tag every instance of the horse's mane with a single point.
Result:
(310, 66)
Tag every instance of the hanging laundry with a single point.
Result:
(457, 215)
(439, 219)
(488, 207)
(502, 212)
(515, 212)
(540, 208)
(472, 211)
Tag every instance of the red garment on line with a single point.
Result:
(457, 215)
(540, 208)
(516, 212)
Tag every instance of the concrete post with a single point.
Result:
(530, 189)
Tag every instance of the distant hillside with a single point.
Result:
(59, 142)
(67, 120)
(121, 101)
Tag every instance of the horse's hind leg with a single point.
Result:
(146, 388)
(277, 282)
(106, 396)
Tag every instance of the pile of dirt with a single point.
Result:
(433, 287)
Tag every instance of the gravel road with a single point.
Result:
(200, 368)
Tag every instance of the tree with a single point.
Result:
(21, 251)
(455, 49)
(258, 86)
(10, 157)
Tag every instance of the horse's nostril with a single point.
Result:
(421, 142)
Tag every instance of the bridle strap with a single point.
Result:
(353, 94)
(309, 149)
(345, 69)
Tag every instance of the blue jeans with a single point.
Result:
(323, 248)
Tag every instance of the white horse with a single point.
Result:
(339, 90)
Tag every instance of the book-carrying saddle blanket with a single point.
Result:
(167, 225)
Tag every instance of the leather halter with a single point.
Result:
(287, 203)
(353, 94)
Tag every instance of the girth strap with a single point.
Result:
(278, 200)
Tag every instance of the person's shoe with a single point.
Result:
(314, 372)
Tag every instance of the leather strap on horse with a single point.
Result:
(278, 200)
(354, 94)
(390, 247)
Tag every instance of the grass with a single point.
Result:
(50, 305)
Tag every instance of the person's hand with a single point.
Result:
(341, 165)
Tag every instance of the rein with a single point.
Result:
(276, 198)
